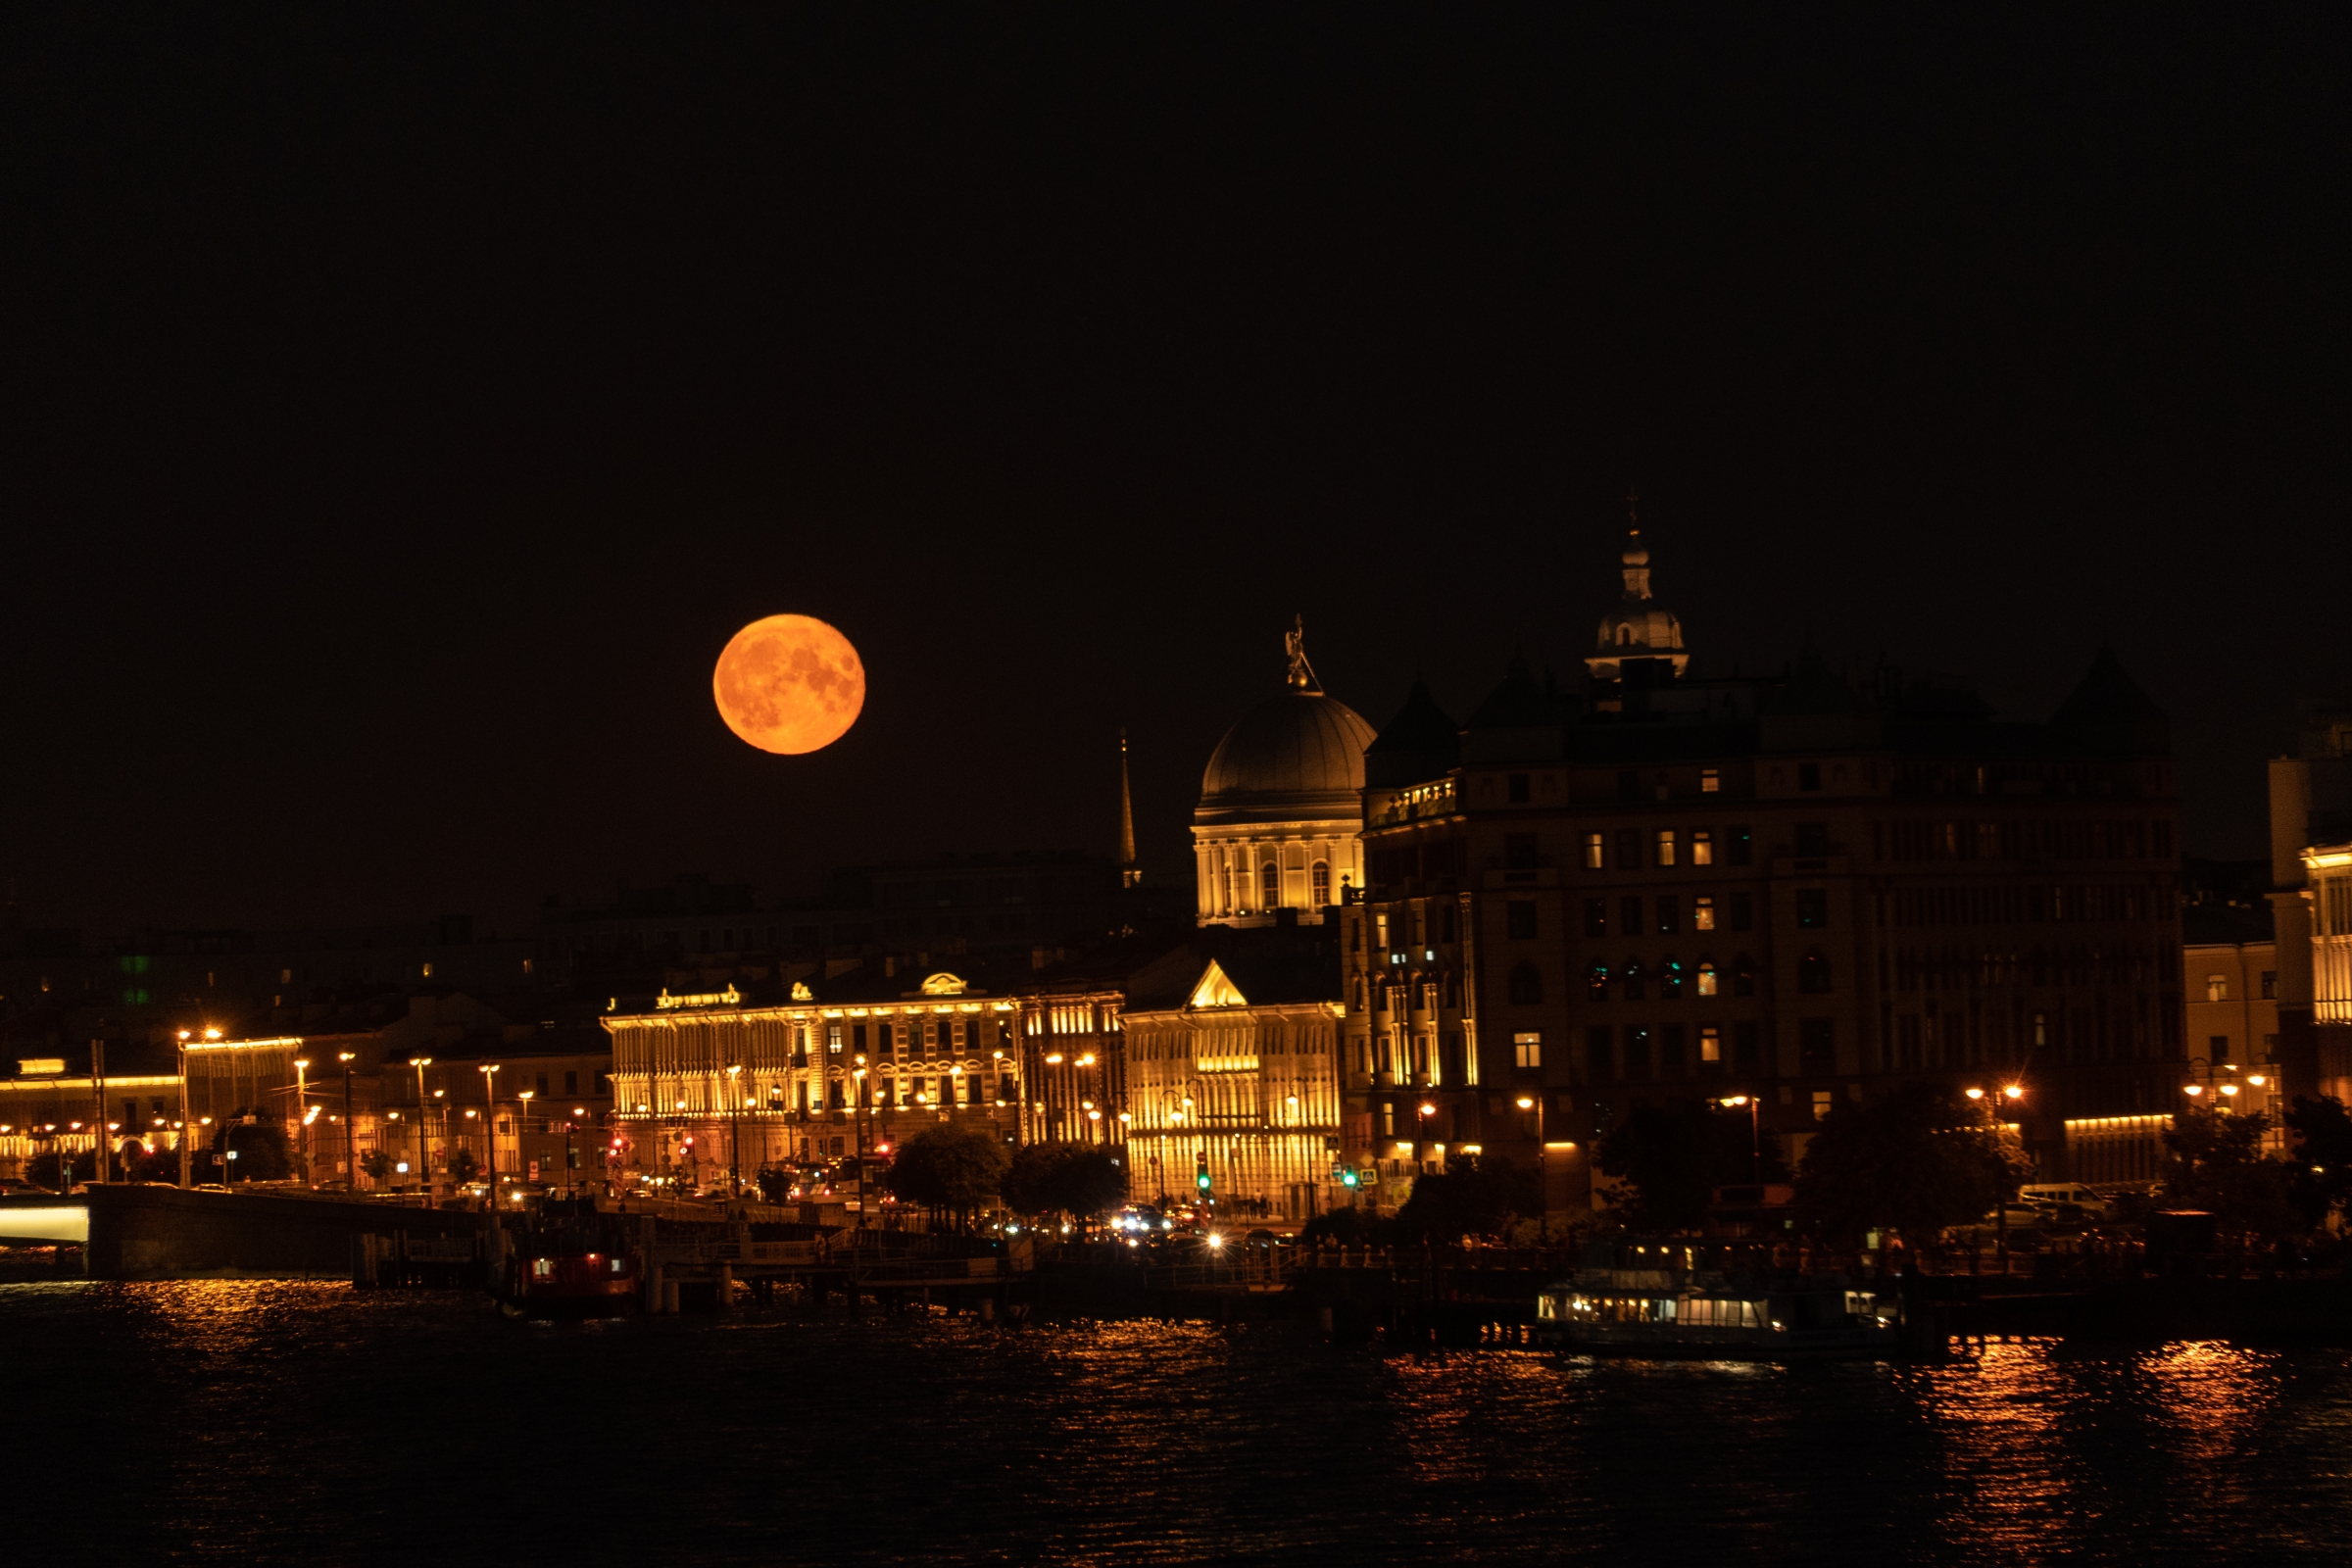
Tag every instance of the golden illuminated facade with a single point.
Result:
(1246, 1090)
(2327, 907)
(703, 1084)
(1281, 817)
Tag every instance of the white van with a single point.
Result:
(2047, 1194)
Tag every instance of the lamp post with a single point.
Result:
(1755, 1136)
(489, 1071)
(523, 1125)
(424, 1184)
(301, 1105)
(735, 1128)
(1421, 1120)
(350, 1159)
(2013, 1093)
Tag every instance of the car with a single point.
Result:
(2049, 1194)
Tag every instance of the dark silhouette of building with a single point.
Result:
(1798, 889)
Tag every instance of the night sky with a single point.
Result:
(404, 407)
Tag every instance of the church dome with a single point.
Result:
(1640, 628)
(1299, 757)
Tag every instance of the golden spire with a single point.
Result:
(1129, 872)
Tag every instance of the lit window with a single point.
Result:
(1322, 881)
(1527, 1049)
(1703, 913)
(1595, 852)
(1822, 1100)
(2217, 988)
(1706, 988)
(1710, 1038)
(1702, 847)
(1665, 846)
(1711, 780)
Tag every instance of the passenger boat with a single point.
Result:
(1716, 1316)
(558, 1263)
(594, 1284)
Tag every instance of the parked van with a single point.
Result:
(2048, 1194)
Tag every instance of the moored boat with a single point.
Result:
(1716, 1316)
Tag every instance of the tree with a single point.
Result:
(1915, 1160)
(264, 1151)
(54, 1171)
(378, 1164)
(1477, 1195)
(1065, 1178)
(2214, 1161)
(2322, 1178)
(1670, 1159)
(462, 1165)
(949, 1169)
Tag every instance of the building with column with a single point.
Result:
(2311, 828)
(1801, 889)
(835, 1069)
(1238, 1079)
(1278, 832)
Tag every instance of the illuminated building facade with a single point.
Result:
(1278, 831)
(1793, 889)
(1240, 1082)
(2311, 854)
(2327, 903)
(854, 1065)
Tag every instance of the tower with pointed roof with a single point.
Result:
(1130, 873)
(1640, 639)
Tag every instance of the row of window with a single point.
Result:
(1636, 917)
(1235, 882)
(1665, 847)
(1633, 979)
(1519, 786)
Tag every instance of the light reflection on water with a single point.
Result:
(268, 1421)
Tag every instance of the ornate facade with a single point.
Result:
(706, 1084)
(1280, 822)
(1240, 1082)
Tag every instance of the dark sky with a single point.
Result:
(404, 406)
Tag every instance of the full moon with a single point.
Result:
(789, 684)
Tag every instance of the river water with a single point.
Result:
(270, 1422)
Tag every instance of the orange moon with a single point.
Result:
(789, 684)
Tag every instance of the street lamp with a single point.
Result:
(1421, 1130)
(1755, 1134)
(423, 1167)
(2012, 1093)
(523, 1125)
(734, 1129)
(301, 1105)
(351, 1168)
(489, 1072)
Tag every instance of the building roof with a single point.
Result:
(1421, 742)
(2220, 925)
(1299, 757)
(2108, 713)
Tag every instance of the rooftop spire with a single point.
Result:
(1302, 673)
(1129, 872)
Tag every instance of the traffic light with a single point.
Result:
(1200, 1175)
(1348, 1177)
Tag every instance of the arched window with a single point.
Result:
(1321, 877)
(1670, 979)
(1625, 635)
(1269, 886)
(1813, 973)
(1706, 978)
(1527, 985)
(1596, 981)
